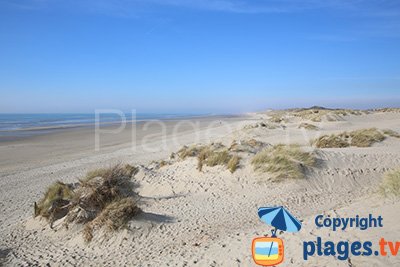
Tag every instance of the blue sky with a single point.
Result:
(197, 56)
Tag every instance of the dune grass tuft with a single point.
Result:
(104, 197)
(218, 158)
(55, 193)
(266, 125)
(327, 141)
(395, 110)
(365, 137)
(213, 158)
(190, 151)
(163, 163)
(113, 217)
(390, 185)
(209, 155)
(314, 115)
(317, 114)
(391, 133)
(308, 126)
(283, 161)
(115, 171)
(247, 146)
(357, 138)
(233, 163)
(276, 119)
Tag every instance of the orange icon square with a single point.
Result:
(267, 251)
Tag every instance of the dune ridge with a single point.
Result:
(207, 216)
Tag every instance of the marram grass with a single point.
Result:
(283, 161)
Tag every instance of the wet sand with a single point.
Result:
(23, 153)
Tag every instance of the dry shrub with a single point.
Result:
(56, 196)
(358, 138)
(100, 190)
(113, 217)
(283, 161)
(104, 195)
(391, 133)
(308, 126)
(390, 185)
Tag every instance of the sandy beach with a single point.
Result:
(199, 218)
(199, 133)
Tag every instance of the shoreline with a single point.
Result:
(8, 135)
(67, 144)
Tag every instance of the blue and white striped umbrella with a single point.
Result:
(279, 218)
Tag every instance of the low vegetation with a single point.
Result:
(390, 185)
(115, 171)
(333, 140)
(190, 151)
(218, 154)
(57, 194)
(113, 216)
(365, 137)
(283, 161)
(247, 146)
(313, 114)
(317, 114)
(308, 126)
(395, 110)
(346, 112)
(211, 155)
(276, 118)
(213, 158)
(266, 125)
(104, 197)
(233, 163)
(357, 138)
(391, 133)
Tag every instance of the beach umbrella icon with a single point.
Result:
(279, 218)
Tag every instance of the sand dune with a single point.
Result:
(207, 218)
